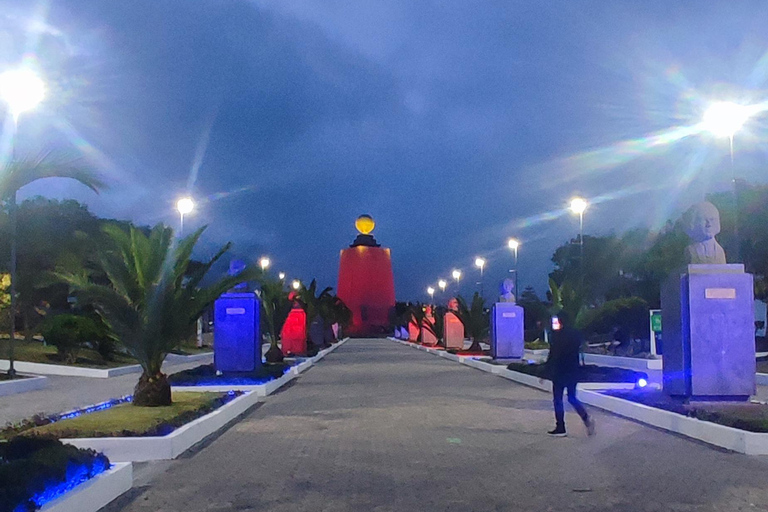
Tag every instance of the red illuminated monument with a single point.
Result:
(366, 284)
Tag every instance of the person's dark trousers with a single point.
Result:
(557, 389)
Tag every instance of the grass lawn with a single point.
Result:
(36, 352)
(128, 420)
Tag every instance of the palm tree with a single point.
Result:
(334, 311)
(310, 301)
(152, 300)
(276, 307)
(475, 319)
(20, 172)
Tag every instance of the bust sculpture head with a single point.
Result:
(702, 223)
(507, 289)
(453, 304)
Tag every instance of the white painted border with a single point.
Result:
(11, 387)
(629, 363)
(750, 443)
(271, 386)
(95, 373)
(140, 449)
(92, 495)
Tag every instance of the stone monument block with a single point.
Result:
(294, 333)
(413, 331)
(427, 337)
(454, 332)
(507, 341)
(708, 328)
(237, 337)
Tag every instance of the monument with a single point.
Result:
(237, 334)
(413, 331)
(453, 328)
(708, 319)
(294, 332)
(366, 283)
(427, 336)
(507, 325)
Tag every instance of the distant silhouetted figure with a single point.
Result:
(562, 367)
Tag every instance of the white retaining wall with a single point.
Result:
(96, 493)
(11, 387)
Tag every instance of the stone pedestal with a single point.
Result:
(413, 331)
(427, 337)
(507, 341)
(237, 337)
(708, 329)
(454, 332)
(294, 333)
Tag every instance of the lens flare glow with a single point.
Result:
(264, 263)
(21, 89)
(479, 262)
(513, 244)
(185, 205)
(725, 118)
(578, 205)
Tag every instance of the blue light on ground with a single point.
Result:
(93, 408)
(641, 383)
(233, 380)
(76, 475)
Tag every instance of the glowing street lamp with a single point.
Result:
(296, 284)
(22, 90)
(281, 275)
(431, 292)
(724, 119)
(442, 283)
(456, 274)
(185, 205)
(514, 244)
(578, 206)
(264, 263)
(480, 263)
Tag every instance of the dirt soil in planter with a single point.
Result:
(589, 373)
(128, 420)
(749, 416)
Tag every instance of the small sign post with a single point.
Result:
(655, 319)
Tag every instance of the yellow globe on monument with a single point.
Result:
(365, 224)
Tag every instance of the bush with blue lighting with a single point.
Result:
(35, 471)
(206, 375)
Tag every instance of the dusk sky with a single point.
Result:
(456, 125)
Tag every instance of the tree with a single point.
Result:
(476, 320)
(275, 307)
(23, 171)
(151, 302)
(311, 301)
(535, 310)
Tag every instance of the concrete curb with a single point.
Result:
(140, 449)
(750, 443)
(761, 379)
(11, 387)
(97, 492)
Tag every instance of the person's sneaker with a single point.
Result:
(558, 432)
(590, 424)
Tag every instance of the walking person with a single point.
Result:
(563, 369)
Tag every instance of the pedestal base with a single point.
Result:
(507, 331)
(454, 332)
(237, 338)
(708, 328)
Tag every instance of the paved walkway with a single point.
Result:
(378, 426)
(63, 394)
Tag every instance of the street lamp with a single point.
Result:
(724, 119)
(431, 292)
(185, 205)
(281, 275)
(480, 263)
(296, 284)
(22, 90)
(442, 283)
(514, 244)
(264, 263)
(456, 274)
(578, 205)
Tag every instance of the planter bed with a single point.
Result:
(742, 441)
(21, 384)
(96, 493)
(44, 473)
(589, 373)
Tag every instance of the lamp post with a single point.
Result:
(578, 205)
(281, 276)
(431, 292)
(264, 263)
(514, 244)
(22, 90)
(724, 119)
(442, 283)
(185, 205)
(456, 274)
(480, 263)
(296, 284)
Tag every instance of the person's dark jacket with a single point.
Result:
(563, 362)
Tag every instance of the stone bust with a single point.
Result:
(507, 291)
(702, 223)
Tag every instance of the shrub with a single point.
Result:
(627, 313)
(35, 470)
(68, 333)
